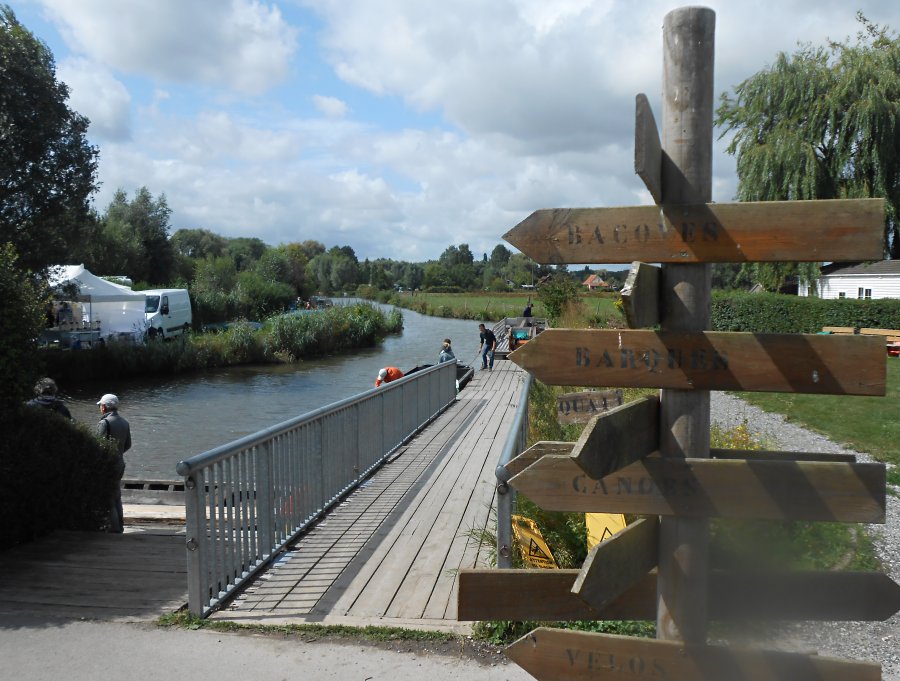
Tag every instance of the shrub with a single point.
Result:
(54, 475)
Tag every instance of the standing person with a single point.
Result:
(486, 349)
(387, 375)
(527, 311)
(446, 352)
(45, 396)
(114, 427)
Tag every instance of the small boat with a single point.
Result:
(513, 332)
(464, 373)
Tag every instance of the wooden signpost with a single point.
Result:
(652, 457)
(582, 406)
(556, 655)
(767, 231)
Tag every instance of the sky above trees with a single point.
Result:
(396, 126)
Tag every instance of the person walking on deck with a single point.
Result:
(486, 349)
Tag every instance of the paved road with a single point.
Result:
(102, 651)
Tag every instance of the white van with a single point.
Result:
(168, 312)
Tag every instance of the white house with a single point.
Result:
(865, 280)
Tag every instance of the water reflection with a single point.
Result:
(173, 418)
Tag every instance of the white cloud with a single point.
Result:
(244, 45)
(331, 107)
(96, 93)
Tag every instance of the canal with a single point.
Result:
(173, 418)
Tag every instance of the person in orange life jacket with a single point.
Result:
(387, 375)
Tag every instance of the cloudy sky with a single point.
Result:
(397, 127)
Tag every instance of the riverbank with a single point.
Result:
(488, 306)
(283, 338)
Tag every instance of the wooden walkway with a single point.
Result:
(389, 554)
(135, 576)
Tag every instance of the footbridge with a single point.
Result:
(360, 513)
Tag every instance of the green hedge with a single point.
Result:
(55, 474)
(777, 313)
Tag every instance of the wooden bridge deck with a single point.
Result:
(386, 556)
(389, 554)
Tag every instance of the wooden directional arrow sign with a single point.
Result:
(773, 490)
(582, 406)
(623, 435)
(546, 595)
(640, 296)
(708, 360)
(769, 231)
(617, 564)
(559, 655)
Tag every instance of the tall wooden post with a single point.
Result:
(688, 56)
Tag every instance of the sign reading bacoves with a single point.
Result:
(559, 655)
(768, 231)
(767, 490)
(707, 360)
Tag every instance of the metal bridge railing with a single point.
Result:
(516, 442)
(245, 501)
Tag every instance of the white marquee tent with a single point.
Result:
(115, 309)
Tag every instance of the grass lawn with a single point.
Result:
(490, 306)
(868, 424)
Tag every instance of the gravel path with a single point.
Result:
(873, 641)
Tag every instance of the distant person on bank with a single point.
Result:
(112, 426)
(486, 349)
(387, 375)
(45, 396)
(527, 311)
(446, 352)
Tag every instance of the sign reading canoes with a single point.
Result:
(707, 360)
(766, 231)
(556, 655)
(581, 407)
(767, 490)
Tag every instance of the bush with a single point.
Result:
(54, 475)
(777, 313)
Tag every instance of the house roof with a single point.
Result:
(594, 280)
(880, 267)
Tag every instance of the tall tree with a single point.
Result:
(47, 168)
(822, 123)
(139, 231)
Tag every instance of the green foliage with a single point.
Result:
(47, 168)
(287, 337)
(774, 313)
(821, 124)
(54, 475)
(557, 293)
(23, 302)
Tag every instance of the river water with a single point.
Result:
(173, 418)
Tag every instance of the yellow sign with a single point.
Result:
(602, 526)
(532, 546)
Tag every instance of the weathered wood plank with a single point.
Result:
(535, 452)
(768, 231)
(640, 296)
(546, 595)
(647, 148)
(617, 564)
(623, 435)
(777, 490)
(582, 406)
(710, 360)
(560, 655)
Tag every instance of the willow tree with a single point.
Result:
(822, 123)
